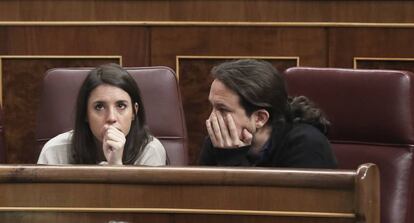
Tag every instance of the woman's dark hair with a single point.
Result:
(83, 141)
(260, 86)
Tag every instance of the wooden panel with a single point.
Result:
(209, 197)
(309, 44)
(347, 43)
(385, 63)
(21, 84)
(91, 217)
(184, 194)
(212, 10)
(130, 43)
(194, 81)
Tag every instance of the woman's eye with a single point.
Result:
(99, 107)
(122, 106)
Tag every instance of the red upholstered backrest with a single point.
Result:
(160, 95)
(372, 121)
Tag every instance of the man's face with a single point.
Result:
(226, 101)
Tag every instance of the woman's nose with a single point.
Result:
(111, 116)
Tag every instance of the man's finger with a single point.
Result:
(216, 130)
(232, 128)
(211, 133)
(224, 130)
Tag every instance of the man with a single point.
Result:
(254, 123)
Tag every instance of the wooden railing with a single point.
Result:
(187, 194)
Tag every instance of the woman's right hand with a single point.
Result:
(113, 145)
(223, 132)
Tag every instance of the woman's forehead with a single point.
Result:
(106, 92)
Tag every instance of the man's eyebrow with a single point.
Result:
(221, 105)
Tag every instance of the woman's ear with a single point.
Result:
(136, 107)
(261, 118)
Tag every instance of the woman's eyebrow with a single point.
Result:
(124, 101)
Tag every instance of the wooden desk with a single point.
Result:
(187, 194)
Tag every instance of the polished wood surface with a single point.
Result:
(211, 10)
(347, 43)
(131, 44)
(72, 193)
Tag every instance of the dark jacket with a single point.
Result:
(291, 145)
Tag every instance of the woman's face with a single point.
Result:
(109, 106)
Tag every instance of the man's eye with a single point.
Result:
(224, 111)
(99, 107)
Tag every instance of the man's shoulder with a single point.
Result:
(305, 130)
(305, 146)
(302, 136)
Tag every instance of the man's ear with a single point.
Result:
(261, 118)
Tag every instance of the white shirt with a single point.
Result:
(58, 151)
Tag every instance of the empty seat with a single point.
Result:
(372, 121)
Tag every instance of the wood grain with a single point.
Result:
(347, 43)
(217, 194)
(212, 10)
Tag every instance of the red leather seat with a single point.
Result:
(372, 122)
(161, 98)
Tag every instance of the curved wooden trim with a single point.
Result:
(202, 23)
(177, 175)
(367, 193)
(181, 211)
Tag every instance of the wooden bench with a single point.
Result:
(187, 194)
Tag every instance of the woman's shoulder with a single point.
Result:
(153, 154)
(154, 142)
(61, 139)
(56, 150)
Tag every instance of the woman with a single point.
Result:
(254, 123)
(110, 125)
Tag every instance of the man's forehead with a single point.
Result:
(223, 96)
(220, 89)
